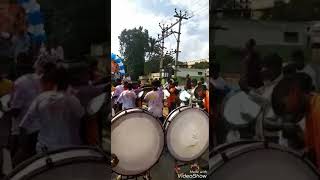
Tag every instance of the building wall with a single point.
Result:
(265, 33)
(183, 72)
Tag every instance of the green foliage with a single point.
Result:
(153, 64)
(134, 44)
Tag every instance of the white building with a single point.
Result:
(183, 72)
(264, 32)
(193, 62)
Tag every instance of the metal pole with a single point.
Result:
(177, 53)
(162, 54)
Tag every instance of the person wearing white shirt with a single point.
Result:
(26, 89)
(128, 97)
(154, 99)
(272, 74)
(54, 110)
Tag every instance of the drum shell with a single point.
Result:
(138, 110)
(224, 154)
(173, 114)
(246, 130)
(89, 157)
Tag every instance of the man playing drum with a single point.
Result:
(293, 99)
(117, 91)
(154, 99)
(271, 74)
(25, 90)
(54, 110)
(128, 97)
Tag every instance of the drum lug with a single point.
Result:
(147, 176)
(114, 160)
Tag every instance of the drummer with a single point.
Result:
(204, 94)
(172, 99)
(128, 97)
(188, 83)
(154, 99)
(271, 74)
(55, 114)
(118, 90)
(26, 89)
(292, 99)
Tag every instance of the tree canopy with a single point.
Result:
(134, 45)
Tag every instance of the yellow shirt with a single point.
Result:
(5, 87)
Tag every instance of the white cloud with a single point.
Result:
(195, 31)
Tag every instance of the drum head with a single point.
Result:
(238, 104)
(252, 161)
(96, 104)
(184, 96)
(140, 94)
(166, 93)
(137, 139)
(187, 134)
(4, 101)
(73, 164)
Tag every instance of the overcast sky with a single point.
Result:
(127, 14)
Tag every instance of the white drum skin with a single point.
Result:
(237, 104)
(137, 139)
(187, 133)
(96, 103)
(255, 161)
(72, 164)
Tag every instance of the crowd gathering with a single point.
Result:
(288, 94)
(43, 108)
(127, 95)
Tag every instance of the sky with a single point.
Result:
(128, 14)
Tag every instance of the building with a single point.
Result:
(264, 32)
(193, 62)
(183, 72)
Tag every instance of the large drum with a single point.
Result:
(137, 140)
(96, 103)
(93, 131)
(257, 160)
(72, 164)
(238, 109)
(184, 96)
(187, 133)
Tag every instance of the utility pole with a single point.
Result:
(180, 17)
(162, 49)
(167, 31)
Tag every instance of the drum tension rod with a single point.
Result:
(49, 161)
(114, 160)
(224, 156)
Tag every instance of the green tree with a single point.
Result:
(134, 45)
(153, 64)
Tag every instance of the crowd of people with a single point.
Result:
(288, 94)
(48, 110)
(127, 95)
